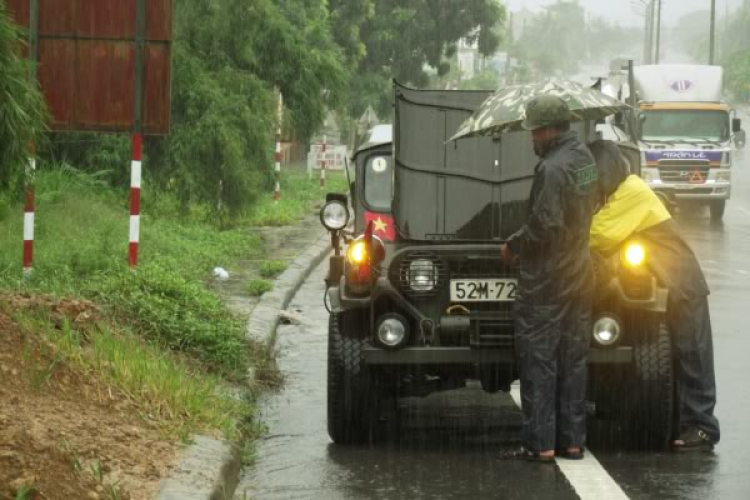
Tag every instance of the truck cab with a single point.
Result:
(685, 134)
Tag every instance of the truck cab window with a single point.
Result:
(379, 183)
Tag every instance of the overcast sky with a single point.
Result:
(620, 10)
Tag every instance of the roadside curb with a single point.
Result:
(208, 470)
(264, 320)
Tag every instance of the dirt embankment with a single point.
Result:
(64, 434)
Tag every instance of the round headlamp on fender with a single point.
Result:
(393, 331)
(334, 215)
(607, 331)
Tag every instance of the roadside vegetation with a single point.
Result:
(732, 44)
(165, 306)
(159, 340)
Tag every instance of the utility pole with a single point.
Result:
(648, 48)
(510, 46)
(658, 33)
(713, 33)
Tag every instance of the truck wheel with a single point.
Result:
(717, 210)
(352, 393)
(652, 410)
(666, 201)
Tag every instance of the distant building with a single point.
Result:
(519, 22)
(470, 61)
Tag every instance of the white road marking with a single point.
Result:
(587, 477)
(743, 272)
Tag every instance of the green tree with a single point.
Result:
(22, 109)
(402, 39)
(555, 41)
(737, 75)
(734, 48)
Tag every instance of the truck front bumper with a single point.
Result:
(469, 356)
(710, 190)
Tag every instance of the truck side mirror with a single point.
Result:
(736, 125)
(739, 139)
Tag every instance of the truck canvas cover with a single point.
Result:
(473, 189)
(679, 83)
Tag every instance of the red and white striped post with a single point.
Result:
(323, 164)
(277, 166)
(28, 219)
(135, 199)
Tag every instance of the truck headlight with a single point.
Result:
(423, 275)
(334, 216)
(393, 331)
(635, 277)
(634, 255)
(649, 174)
(607, 331)
(724, 176)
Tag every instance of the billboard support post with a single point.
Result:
(323, 164)
(30, 171)
(136, 166)
(277, 156)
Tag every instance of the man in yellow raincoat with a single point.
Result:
(631, 209)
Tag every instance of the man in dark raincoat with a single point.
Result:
(688, 319)
(553, 308)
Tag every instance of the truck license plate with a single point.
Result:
(495, 290)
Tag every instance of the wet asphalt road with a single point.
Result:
(448, 441)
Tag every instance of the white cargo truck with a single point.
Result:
(685, 134)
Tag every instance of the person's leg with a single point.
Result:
(572, 376)
(537, 339)
(690, 326)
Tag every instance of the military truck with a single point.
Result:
(421, 301)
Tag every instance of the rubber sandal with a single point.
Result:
(693, 440)
(526, 455)
(568, 455)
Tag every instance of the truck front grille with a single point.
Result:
(684, 171)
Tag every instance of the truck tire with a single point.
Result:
(666, 201)
(352, 393)
(652, 408)
(717, 210)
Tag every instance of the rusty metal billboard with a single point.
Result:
(103, 65)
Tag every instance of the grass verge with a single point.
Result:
(256, 288)
(171, 392)
(163, 337)
(298, 195)
(270, 269)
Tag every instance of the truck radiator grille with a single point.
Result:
(677, 171)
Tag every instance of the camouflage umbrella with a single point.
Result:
(504, 110)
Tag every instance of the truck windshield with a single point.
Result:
(379, 182)
(685, 124)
